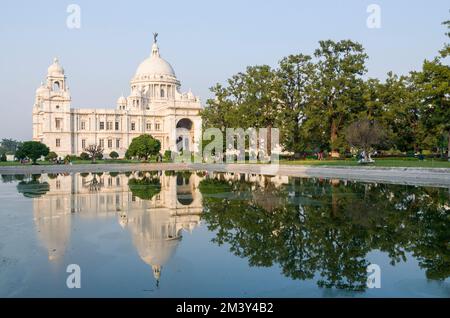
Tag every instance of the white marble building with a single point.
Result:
(155, 106)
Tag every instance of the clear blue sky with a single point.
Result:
(205, 41)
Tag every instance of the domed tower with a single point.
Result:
(121, 103)
(51, 111)
(155, 81)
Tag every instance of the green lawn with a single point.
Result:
(75, 162)
(380, 162)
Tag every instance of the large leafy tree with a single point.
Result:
(249, 100)
(433, 84)
(143, 147)
(32, 150)
(339, 88)
(394, 104)
(296, 75)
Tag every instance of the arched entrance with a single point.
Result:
(185, 135)
(184, 191)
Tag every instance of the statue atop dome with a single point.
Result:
(155, 37)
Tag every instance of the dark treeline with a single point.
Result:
(314, 99)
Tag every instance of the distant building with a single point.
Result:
(155, 106)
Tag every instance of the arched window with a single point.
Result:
(56, 86)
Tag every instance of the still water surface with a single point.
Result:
(196, 234)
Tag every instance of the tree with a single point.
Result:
(143, 147)
(51, 156)
(94, 151)
(434, 92)
(394, 104)
(3, 157)
(296, 74)
(33, 150)
(10, 145)
(364, 134)
(249, 100)
(339, 88)
(114, 155)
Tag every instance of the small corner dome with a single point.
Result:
(121, 100)
(42, 89)
(55, 68)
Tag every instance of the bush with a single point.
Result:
(168, 155)
(3, 157)
(99, 156)
(84, 156)
(51, 156)
(114, 155)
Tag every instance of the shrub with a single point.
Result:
(168, 155)
(51, 156)
(114, 155)
(3, 157)
(84, 156)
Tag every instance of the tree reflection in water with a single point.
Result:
(146, 186)
(315, 227)
(31, 186)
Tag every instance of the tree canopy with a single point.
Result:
(143, 147)
(32, 150)
(313, 100)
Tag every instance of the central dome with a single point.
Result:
(155, 65)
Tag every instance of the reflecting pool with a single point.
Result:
(199, 234)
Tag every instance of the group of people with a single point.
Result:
(60, 161)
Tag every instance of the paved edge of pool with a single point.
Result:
(397, 175)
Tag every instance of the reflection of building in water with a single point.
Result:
(155, 224)
(52, 225)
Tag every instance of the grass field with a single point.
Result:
(379, 162)
(75, 162)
